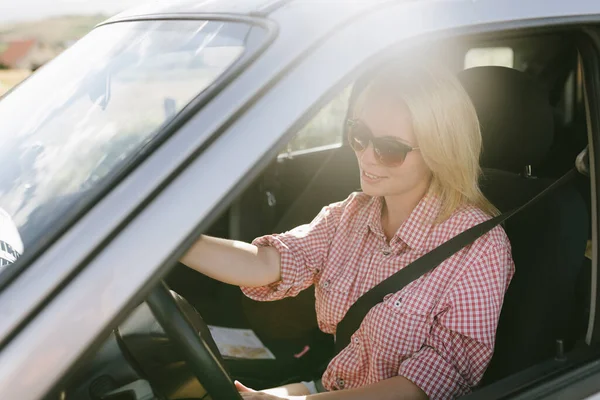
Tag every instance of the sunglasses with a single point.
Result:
(388, 151)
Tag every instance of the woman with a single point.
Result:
(417, 141)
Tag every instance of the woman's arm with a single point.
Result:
(234, 262)
(397, 388)
(290, 259)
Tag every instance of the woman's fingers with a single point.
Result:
(243, 389)
(251, 394)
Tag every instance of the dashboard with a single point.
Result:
(136, 362)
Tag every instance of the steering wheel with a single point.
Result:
(188, 331)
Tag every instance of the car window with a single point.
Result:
(326, 128)
(484, 56)
(78, 121)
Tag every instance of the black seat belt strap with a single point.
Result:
(357, 312)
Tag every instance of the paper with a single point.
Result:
(240, 343)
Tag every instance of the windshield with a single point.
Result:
(78, 120)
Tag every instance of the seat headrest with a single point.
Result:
(515, 115)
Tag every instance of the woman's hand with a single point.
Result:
(251, 394)
(397, 388)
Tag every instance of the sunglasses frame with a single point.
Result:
(377, 144)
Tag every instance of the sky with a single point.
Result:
(24, 10)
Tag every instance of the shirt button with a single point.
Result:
(356, 340)
(326, 284)
(398, 303)
(386, 251)
(340, 383)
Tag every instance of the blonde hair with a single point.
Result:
(446, 128)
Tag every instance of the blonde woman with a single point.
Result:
(417, 142)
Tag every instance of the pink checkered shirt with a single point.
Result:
(438, 331)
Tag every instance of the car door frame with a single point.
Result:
(114, 277)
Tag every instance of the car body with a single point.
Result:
(101, 259)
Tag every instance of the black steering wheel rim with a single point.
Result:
(205, 365)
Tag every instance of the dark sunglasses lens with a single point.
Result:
(388, 152)
(359, 136)
(391, 152)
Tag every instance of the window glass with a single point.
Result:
(78, 121)
(326, 128)
(499, 56)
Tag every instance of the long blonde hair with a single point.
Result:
(446, 127)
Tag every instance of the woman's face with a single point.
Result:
(390, 118)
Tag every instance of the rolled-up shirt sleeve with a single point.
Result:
(461, 342)
(303, 252)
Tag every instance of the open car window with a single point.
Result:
(81, 119)
(325, 128)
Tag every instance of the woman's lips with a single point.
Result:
(372, 178)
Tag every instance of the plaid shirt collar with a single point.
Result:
(415, 231)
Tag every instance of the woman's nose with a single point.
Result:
(367, 156)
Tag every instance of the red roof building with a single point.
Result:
(25, 54)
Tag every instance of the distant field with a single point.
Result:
(10, 78)
(52, 30)
(57, 31)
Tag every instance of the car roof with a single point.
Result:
(504, 10)
(246, 7)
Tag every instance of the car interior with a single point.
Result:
(528, 91)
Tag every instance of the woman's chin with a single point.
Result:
(372, 190)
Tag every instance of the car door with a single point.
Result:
(107, 281)
(64, 263)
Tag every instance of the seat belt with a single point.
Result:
(357, 312)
